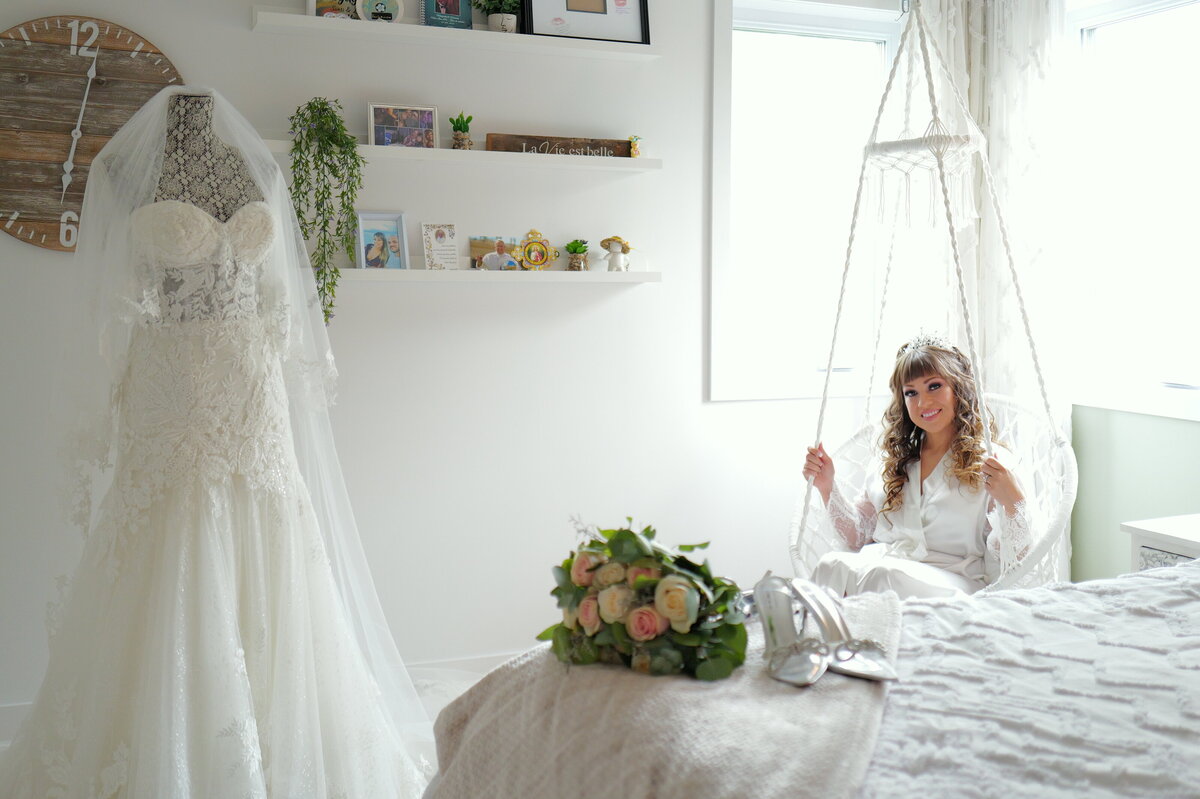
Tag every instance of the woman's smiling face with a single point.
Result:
(930, 403)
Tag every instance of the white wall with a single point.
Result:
(473, 419)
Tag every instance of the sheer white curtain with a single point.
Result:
(999, 54)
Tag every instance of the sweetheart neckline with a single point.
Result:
(201, 210)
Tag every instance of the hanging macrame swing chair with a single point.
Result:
(953, 152)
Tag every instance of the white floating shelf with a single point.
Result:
(268, 19)
(380, 154)
(478, 276)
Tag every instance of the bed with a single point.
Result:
(1088, 690)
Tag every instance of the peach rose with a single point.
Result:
(676, 598)
(645, 623)
(615, 602)
(589, 615)
(610, 573)
(634, 572)
(581, 568)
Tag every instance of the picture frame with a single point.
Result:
(382, 240)
(338, 9)
(446, 13)
(398, 125)
(440, 243)
(486, 255)
(601, 20)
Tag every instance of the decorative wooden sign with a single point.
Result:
(557, 145)
(67, 84)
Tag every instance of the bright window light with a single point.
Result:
(1137, 267)
(802, 109)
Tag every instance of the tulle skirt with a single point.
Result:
(203, 653)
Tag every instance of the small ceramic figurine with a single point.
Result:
(616, 253)
(634, 152)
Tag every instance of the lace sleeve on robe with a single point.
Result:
(1008, 537)
(854, 520)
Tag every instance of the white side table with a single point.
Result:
(1163, 542)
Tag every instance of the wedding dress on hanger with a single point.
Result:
(221, 636)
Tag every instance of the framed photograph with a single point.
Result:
(382, 240)
(402, 125)
(495, 253)
(606, 20)
(447, 13)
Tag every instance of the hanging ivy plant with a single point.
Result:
(327, 172)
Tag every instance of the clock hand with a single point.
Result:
(69, 164)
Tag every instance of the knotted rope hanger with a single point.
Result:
(930, 150)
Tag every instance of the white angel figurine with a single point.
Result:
(617, 253)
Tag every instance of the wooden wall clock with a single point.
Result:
(67, 84)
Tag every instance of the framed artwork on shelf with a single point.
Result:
(446, 13)
(495, 253)
(604, 20)
(535, 252)
(382, 240)
(338, 9)
(393, 125)
(441, 246)
(381, 10)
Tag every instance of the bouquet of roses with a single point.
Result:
(627, 600)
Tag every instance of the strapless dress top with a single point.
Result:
(198, 268)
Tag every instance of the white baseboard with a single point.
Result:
(11, 717)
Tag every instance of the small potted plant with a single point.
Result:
(461, 126)
(577, 255)
(501, 14)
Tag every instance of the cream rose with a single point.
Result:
(676, 598)
(589, 615)
(634, 572)
(614, 602)
(570, 618)
(610, 573)
(581, 568)
(645, 623)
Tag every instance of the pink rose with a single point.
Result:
(645, 623)
(581, 569)
(634, 572)
(589, 615)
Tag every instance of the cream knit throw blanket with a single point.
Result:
(536, 729)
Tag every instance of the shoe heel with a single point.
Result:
(774, 604)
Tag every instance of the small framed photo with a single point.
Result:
(402, 125)
(382, 240)
(495, 253)
(605, 20)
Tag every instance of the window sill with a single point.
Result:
(1169, 403)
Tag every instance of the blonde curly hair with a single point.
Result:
(901, 439)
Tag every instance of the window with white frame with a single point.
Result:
(799, 84)
(1135, 265)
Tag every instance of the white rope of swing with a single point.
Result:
(935, 135)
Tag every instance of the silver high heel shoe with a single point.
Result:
(854, 657)
(797, 662)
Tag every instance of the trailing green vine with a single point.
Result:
(327, 172)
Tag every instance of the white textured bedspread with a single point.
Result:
(1088, 690)
(536, 729)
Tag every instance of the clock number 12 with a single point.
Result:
(91, 29)
(68, 228)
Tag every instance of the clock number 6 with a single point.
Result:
(88, 27)
(68, 228)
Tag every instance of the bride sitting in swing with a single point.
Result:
(940, 515)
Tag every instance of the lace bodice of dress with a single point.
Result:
(197, 268)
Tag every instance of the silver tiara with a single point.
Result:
(924, 339)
